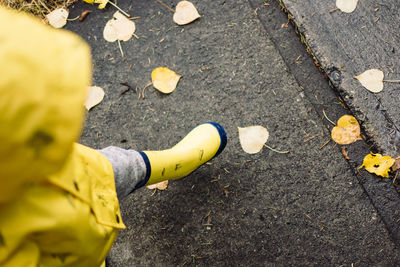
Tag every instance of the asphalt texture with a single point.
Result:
(346, 45)
(241, 65)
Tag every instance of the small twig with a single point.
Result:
(207, 215)
(147, 85)
(394, 180)
(117, 7)
(165, 5)
(138, 17)
(327, 142)
(127, 89)
(44, 6)
(120, 48)
(277, 151)
(137, 37)
(38, 6)
(326, 117)
(309, 139)
(391, 81)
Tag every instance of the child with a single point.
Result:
(59, 199)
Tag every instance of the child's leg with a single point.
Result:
(133, 169)
(129, 169)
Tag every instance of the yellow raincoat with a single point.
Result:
(58, 205)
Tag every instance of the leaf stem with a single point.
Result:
(392, 81)
(77, 17)
(147, 85)
(277, 151)
(326, 117)
(120, 48)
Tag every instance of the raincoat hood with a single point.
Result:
(44, 74)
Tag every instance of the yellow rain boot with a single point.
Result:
(203, 143)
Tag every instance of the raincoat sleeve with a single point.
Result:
(70, 220)
(27, 255)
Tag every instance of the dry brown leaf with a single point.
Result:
(372, 80)
(119, 28)
(345, 153)
(58, 17)
(164, 79)
(253, 138)
(347, 130)
(95, 96)
(160, 186)
(84, 14)
(396, 164)
(346, 6)
(185, 13)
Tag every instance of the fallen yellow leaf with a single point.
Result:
(164, 79)
(372, 80)
(253, 138)
(378, 164)
(160, 186)
(347, 130)
(346, 6)
(185, 13)
(102, 3)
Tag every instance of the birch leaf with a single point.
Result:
(346, 6)
(185, 13)
(378, 164)
(347, 130)
(119, 28)
(160, 186)
(164, 79)
(253, 138)
(58, 17)
(95, 96)
(102, 3)
(372, 80)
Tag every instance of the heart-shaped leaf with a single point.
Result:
(185, 13)
(346, 6)
(164, 79)
(253, 138)
(347, 130)
(119, 28)
(372, 80)
(58, 17)
(95, 96)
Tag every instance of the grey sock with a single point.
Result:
(129, 169)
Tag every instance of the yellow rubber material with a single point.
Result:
(195, 149)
